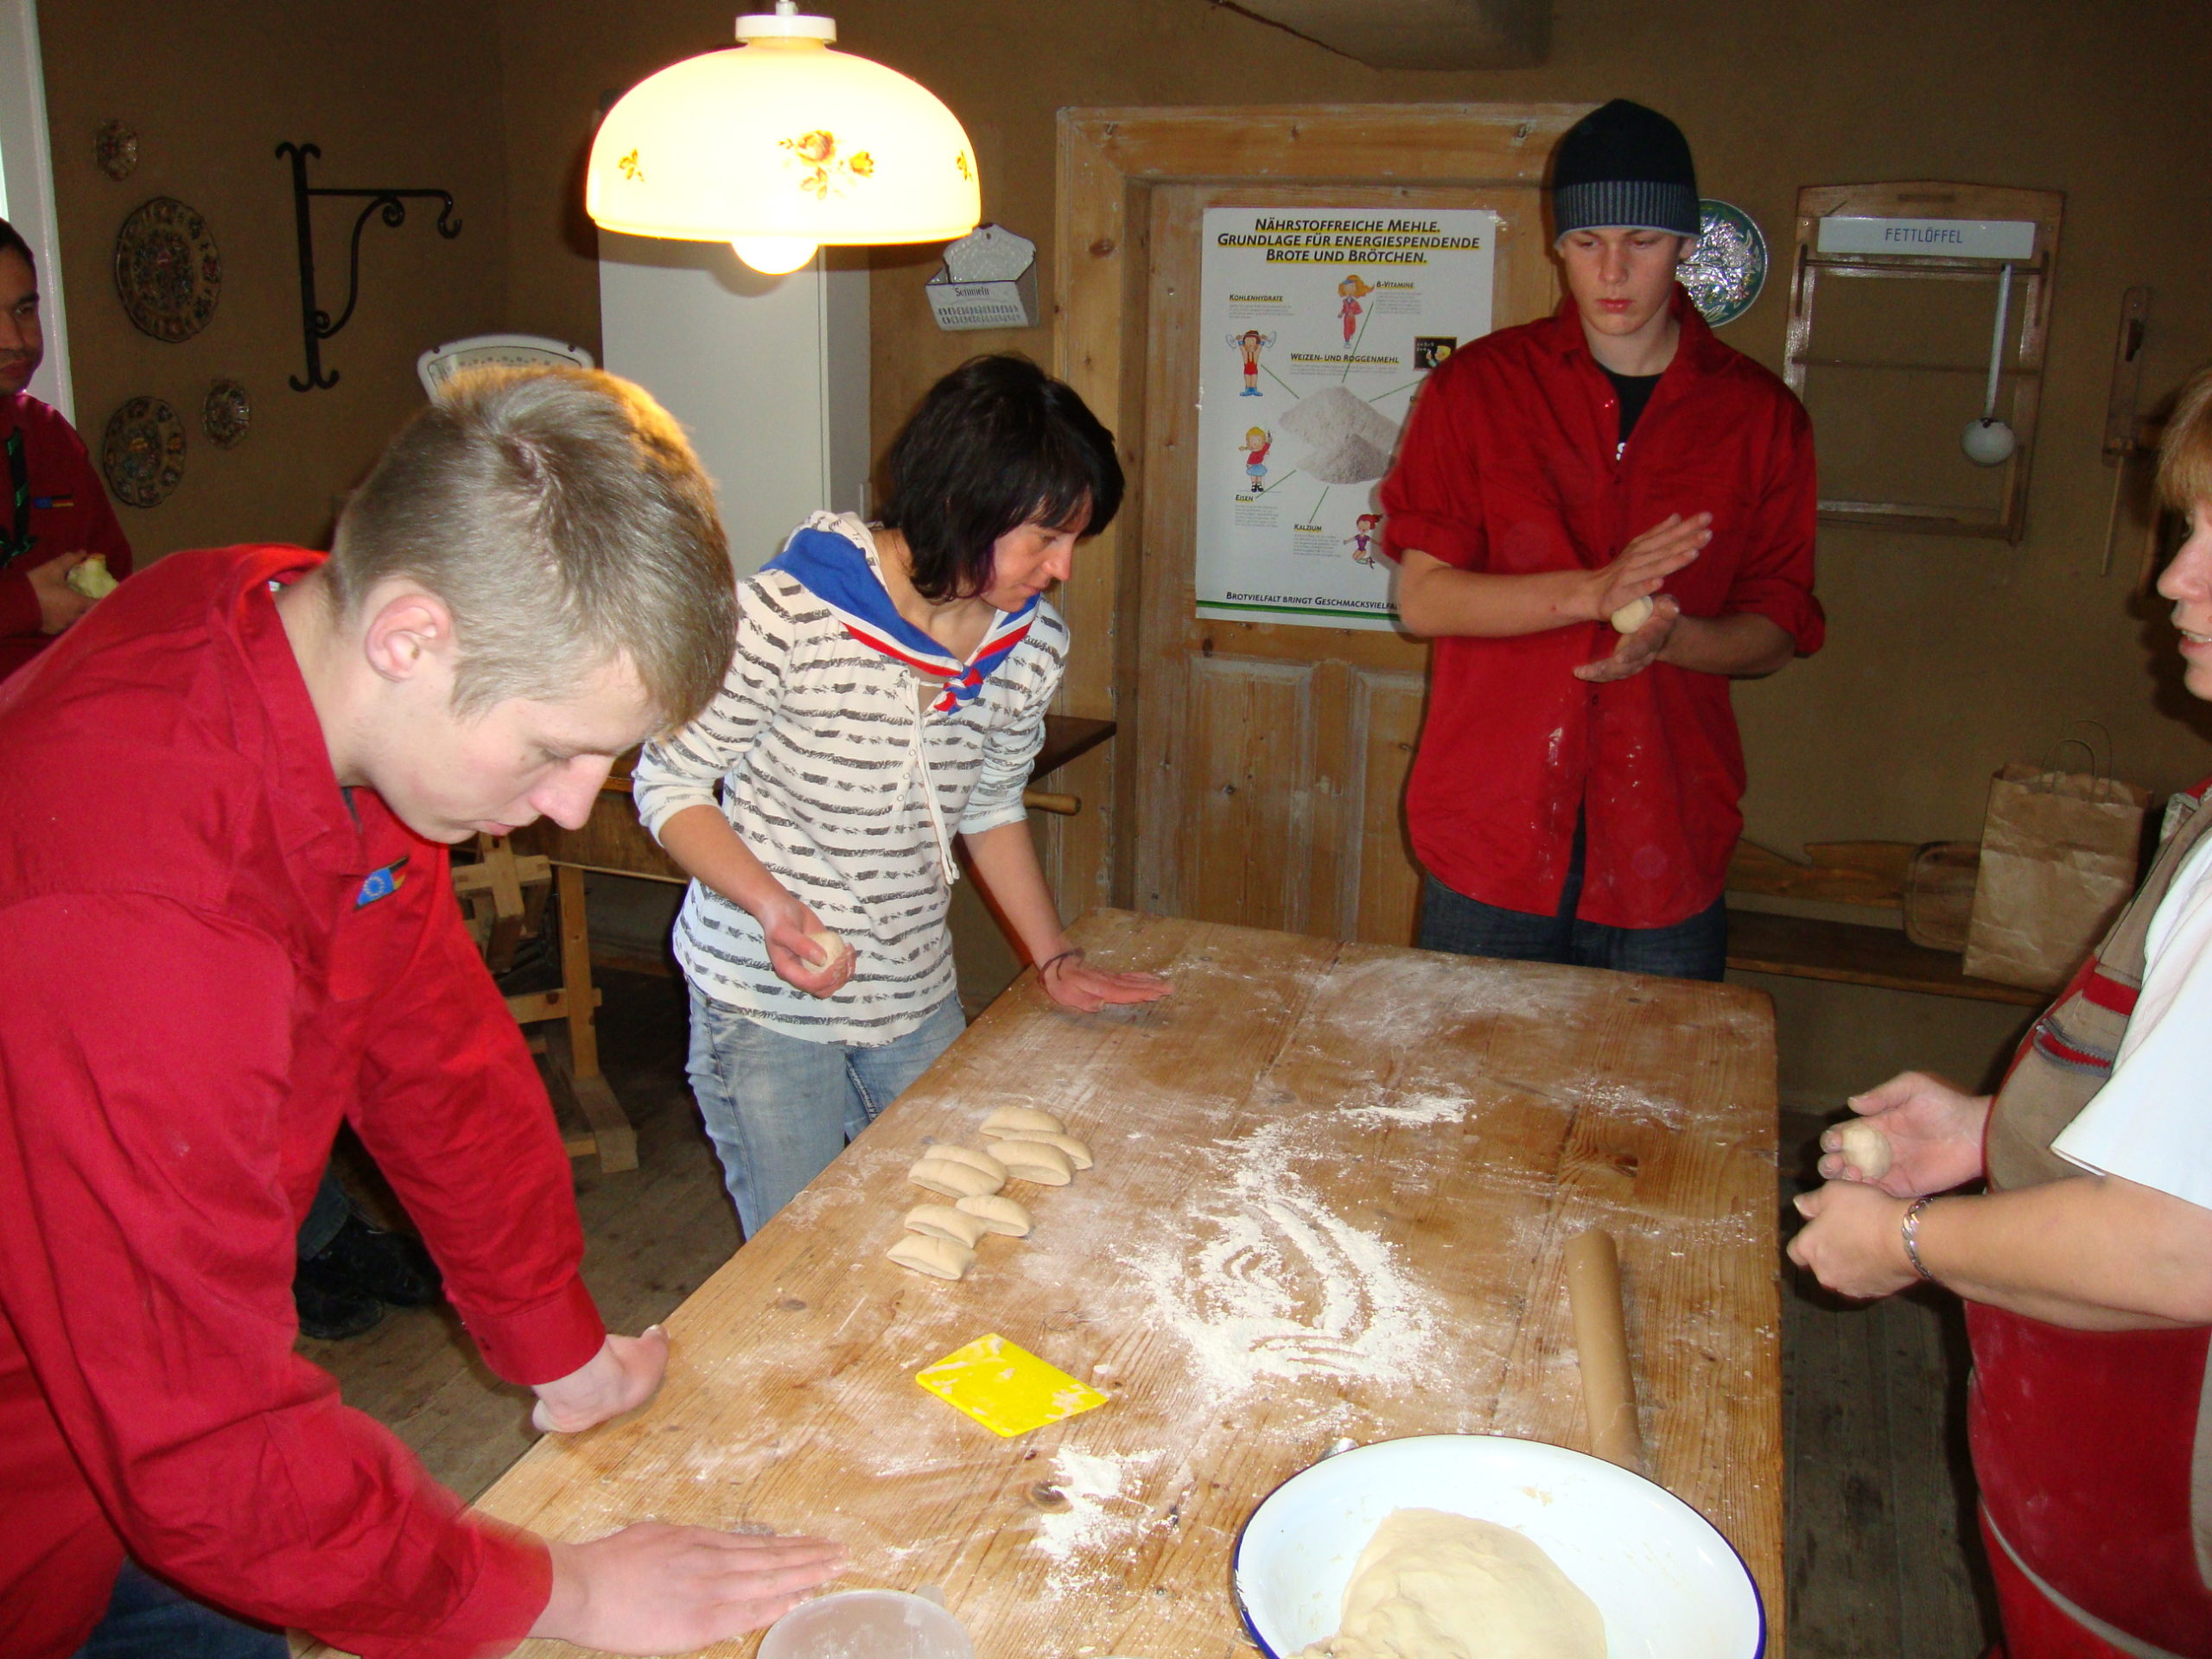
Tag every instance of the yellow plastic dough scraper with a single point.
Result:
(1005, 1388)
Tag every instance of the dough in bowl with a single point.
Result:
(1434, 1585)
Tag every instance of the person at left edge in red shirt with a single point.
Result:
(53, 510)
(226, 923)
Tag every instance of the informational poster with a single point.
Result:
(1316, 326)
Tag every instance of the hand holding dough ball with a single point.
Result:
(953, 1179)
(1079, 1154)
(1035, 1160)
(943, 1221)
(1011, 1120)
(1633, 615)
(91, 577)
(999, 1213)
(940, 1258)
(832, 946)
(1865, 1148)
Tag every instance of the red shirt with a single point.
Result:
(68, 511)
(197, 980)
(1509, 466)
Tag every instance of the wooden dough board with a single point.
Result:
(1403, 1143)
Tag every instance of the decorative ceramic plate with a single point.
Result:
(143, 454)
(115, 147)
(1725, 273)
(168, 271)
(227, 414)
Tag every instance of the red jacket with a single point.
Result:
(1509, 466)
(197, 981)
(66, 511)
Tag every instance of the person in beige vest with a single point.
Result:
(2085, 1261)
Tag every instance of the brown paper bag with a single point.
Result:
(2059, 860)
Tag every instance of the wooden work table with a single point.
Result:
(1334, 1187)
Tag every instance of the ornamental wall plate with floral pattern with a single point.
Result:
(168, 271)
(1726, 270)
(227, 414)
(142, 453)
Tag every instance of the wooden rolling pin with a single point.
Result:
(1593, 1290)
(1038, 800)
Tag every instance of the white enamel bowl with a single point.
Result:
(1668, 1584)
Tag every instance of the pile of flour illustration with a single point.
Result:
(1346, 439)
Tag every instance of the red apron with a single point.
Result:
(2094, 1448)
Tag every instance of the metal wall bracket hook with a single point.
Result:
(315, 323)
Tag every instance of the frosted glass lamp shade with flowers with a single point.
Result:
(780, 145)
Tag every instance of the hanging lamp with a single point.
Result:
(780, 145)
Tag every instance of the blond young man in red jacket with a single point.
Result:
(225, 923)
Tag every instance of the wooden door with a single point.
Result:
(1271, 760)
(1259, 770)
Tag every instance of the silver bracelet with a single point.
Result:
(1909, 1229)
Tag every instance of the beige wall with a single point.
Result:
(403, 93)
(1947, 656)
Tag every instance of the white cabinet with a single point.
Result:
(769, 375)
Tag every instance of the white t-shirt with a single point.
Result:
(2151, 1123)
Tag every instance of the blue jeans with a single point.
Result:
(779, 1108)
(1695, 949)
(146, 1619)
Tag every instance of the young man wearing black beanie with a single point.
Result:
(1574, 797)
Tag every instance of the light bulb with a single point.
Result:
(771, 256)
(1988, 441)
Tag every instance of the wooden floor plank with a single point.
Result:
(1924, 1367)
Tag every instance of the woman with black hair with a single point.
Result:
(888, 694)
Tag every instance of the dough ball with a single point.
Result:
(1434, 1586)
(91, 577)
(1865, 1148)
(1633, 615)
(1035, 1160)
(974, 1159)
(1079, 1154)
(941, 1258)
(833, 946)
(1021, 1120)
(998, 1213)
(943, 1221)
(954, 1181)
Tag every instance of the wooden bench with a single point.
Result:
(1869, 875)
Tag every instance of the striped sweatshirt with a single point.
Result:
(847, 775)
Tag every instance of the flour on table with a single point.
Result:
(1262, 1279)
(1103, 1519)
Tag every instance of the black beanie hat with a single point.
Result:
(1624, 165)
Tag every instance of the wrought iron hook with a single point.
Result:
(391, 205)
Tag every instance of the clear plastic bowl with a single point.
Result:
(867, 1624)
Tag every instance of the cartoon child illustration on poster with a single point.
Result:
(1353, 291)
(1362, 539)
(1251, 343)
(1257, 443)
